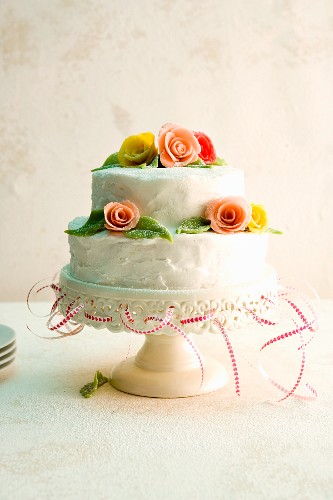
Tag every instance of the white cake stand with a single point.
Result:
(168, 365)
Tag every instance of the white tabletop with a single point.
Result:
(56, 444)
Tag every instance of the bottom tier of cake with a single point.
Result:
(104, 306)
(206, 260)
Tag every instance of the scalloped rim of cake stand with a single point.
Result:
(231, 304)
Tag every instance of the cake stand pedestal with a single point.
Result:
(167, 367)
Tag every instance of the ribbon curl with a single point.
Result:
(307, 322)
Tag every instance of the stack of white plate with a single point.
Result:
(7, 346)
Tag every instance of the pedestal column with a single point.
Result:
(168, 367)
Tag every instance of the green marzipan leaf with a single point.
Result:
(88, 390)
(220, 162)
(147, 227)
(273, 231)
(198, 163)
(107, 166)
(137, 234)
(111, 162)
(94, 224)
(154, 163)
(194, 225)
(199, 166)
(143, 165)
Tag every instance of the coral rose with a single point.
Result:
(207, 153)
(229, 214)
(121, 216)
(177, 145)
(258, 222)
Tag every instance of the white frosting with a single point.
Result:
(169, 195)
(192, 261)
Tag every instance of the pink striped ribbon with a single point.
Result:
(307, 324)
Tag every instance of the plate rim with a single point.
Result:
(10, 355)
(6, 331)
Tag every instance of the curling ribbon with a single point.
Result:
(163, 323)
(307, 324)
(231, 354)
(70, 313)
(310, 325)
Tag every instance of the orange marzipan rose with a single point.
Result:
(121, 216)
(178, 146)
(228, 215)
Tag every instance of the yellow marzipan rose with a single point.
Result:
(258, 222)
(137, 150)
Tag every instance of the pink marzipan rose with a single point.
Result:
(229, 214)
(177, 145)
(121, 216)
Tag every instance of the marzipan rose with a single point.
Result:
(137, 150)
(258, 222)
(229, 214)
(121, 216)
(177, 145)
(207, 153)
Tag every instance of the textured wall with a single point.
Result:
(77, 76)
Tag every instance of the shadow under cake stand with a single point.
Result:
(168, 365)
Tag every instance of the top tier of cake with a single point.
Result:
(169, 195)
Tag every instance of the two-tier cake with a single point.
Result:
(169, 224)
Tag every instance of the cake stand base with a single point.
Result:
(168, 367)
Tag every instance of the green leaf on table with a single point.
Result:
(147, 227)
(94, 224)
(88, 390)
(219, 162)
(194, 225)
(273, 231)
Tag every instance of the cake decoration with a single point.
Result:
(194, 225)
(177, 147)
(258, 222)
(229, 215)
(207, 152)
(122, 217)
(147, 227)
(88, 390)
(94, 224)
(138, 150)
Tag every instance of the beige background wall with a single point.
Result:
(77, 76)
